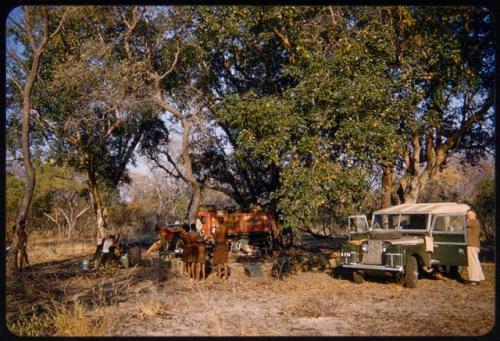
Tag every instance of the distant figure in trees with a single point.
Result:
(221, 249)
(105, 252)
(22, 243)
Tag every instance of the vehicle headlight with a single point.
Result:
(384, 248)
(364, 247)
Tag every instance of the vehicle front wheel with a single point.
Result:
(411, 272)
(358, 278)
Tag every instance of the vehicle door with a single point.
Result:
(449, 239)
(358, 227)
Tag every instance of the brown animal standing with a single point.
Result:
(221, 252)
(167, 237)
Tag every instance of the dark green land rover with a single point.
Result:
(406, 240)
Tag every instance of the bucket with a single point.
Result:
(85, 264)
(124, 261)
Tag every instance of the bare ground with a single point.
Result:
(153, 300)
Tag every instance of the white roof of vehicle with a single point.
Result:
(426, 208)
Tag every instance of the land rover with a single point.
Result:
(406, 240)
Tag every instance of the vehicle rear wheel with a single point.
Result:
(453, 272)
(358, 278)
(411, 272)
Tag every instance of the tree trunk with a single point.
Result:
(195, 186)
(98, 207)
(186, 158)
(415, 186)
(28, 166)
(412, 195)
(387, 188)
(193, 212)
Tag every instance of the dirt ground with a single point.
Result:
(154, 300)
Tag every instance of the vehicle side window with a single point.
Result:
(449, 224)
(456, 224)
(440, 224)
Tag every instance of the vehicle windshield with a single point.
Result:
(358, 224)
(385, 221)
(413, 222)
(408, 221)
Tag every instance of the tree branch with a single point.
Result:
(18, 61)
(61, 22)
(168, 171)
(82, 212)
(174, 63)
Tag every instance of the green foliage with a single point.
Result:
(51, 181)
(310, 128)
(303, 104)
(13, 196)
(322, 194)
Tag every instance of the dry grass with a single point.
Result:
(75, 320)
(151, 305)
(42, 248)
(57, 298)
(60, 320)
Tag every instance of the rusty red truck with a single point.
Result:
(255, 224)
(257, 229)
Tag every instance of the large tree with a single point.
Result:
(161, 42)
(286, 97)
(30, 31)
(445, 60)
(93, 110)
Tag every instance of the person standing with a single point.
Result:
(107, 255)
(474, 266)
(199, 261)
(186, 250)
(221, 252)
(193, 237)
(199, 226)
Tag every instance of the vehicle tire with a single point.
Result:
(358, 278)
(453, 272)
(411, 272)
(399, 278)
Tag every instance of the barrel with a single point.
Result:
(85, 264)
(124, 261)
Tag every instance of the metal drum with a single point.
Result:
(124, 261)
(85, 264)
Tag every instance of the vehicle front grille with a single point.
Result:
(392, 259)
(374, 254)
